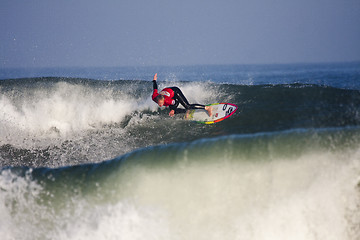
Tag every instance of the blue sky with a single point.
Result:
(141, 33)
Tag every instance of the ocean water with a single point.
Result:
(86, 154)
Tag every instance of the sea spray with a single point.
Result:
(285, 165)
(59, 121)
(56, 122)
(296, 184)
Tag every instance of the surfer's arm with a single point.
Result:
(154, 82)
(174, 109)
(155, 88)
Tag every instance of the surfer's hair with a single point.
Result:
(159, 97)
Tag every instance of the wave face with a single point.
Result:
(57, 122)
(96, 159)
(258, 186)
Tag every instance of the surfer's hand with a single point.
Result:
(155, 77)
(171, 113)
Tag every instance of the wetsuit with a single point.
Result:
(173, 96)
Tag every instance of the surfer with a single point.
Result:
(171, 97)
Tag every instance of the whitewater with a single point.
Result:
(86, 154)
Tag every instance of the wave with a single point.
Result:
(63, 121)
(79, 120)
(233, 187)
(285, 164)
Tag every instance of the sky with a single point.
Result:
(89, 33)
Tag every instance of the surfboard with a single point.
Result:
(220, 112)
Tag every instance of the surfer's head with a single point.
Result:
(160, 100)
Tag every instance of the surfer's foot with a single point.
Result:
(187, 114)
(209, 110)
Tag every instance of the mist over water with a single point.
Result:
(81, 120)
(229, 187)
(96, 159)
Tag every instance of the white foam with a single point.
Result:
(312, 197)
(91, 120)
(19, 206)
(67, 108)
(119, 221)
(46, 117)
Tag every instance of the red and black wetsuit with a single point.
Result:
(173, 96)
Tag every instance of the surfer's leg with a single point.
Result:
(199, 106)
(209, 110)
(187, 114)
(180, 110)
(180, 97)
(196, 106)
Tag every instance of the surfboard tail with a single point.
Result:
(220, 112)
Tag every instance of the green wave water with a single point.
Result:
(58, 122)
(96, 159)
(232, 187)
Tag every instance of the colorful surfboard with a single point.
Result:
(220, 111)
